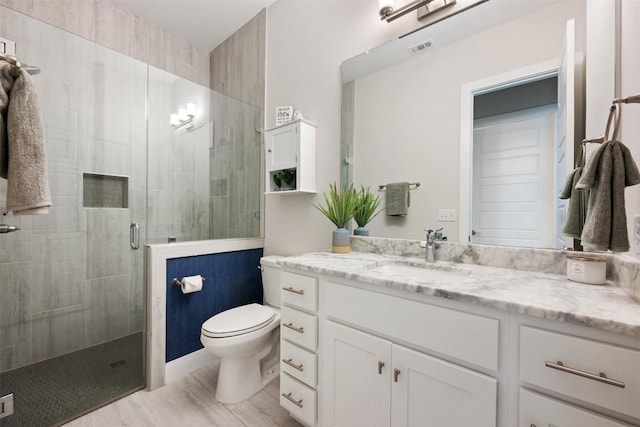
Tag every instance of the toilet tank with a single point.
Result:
(271, 280)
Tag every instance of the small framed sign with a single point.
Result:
(283, 114)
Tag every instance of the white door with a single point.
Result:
(282, 147)
(430, 392)
(565, 137)
(537, 410)
(512, 179)
(357, 378)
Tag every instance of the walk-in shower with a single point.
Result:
(71, 283)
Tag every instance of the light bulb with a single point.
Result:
(385, 7)
(191, 109)
(182, 114)
(174, 120)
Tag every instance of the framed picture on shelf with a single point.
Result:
(283, 114)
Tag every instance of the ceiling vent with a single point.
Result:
(420, 47)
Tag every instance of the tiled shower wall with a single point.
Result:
(204, 182)
(104, 23)
(238, 71)
(69, 279)
(178, 161)
(235, 169)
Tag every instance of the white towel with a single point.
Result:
(23, 156)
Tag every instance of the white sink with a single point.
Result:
(426, 272)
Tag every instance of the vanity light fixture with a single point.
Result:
(389, 13)
(184, 118)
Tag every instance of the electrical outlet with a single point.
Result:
(636, 234)
(447, 215)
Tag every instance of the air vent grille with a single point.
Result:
(420, 47)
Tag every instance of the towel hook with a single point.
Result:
(614, 116)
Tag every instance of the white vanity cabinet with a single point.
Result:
(298, 346)
(374, 381)
(537, 410)
(291, 147)
(598, 375)
(389, 356)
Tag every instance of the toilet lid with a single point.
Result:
(238, 321)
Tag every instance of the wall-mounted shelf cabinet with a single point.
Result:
(291, 152)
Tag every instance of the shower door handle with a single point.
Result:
(134, 235)
(4, 228)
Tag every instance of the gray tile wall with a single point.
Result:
(203, 183)
(238, 63)
(106, 24)
(235, 171)
(69, 279)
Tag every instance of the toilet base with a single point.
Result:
(239, 379)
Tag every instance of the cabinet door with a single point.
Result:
(357, 389)
(539, 411)
(282, 147)
(431, 392)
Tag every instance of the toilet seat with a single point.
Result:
(238, 321)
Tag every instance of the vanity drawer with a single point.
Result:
(538, 410)
(299, 363)
(575, 367)
(299, 328)
(300, 290)
(298, 399)
(460, 335)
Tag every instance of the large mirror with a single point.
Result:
(477, 116)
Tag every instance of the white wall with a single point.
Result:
(407, 117)
(630, 84)
(306, 43)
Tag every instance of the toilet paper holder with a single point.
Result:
(176, 282)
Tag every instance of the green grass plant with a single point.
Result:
(367, 205)
(339, 206)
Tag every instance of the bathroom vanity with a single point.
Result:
(385, 340)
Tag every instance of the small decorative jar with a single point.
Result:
(583, 268)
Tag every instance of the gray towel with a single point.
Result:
(578, 202)
(397, 200)
(609, 171)
(23, 160)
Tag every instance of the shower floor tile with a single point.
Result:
(56, 390)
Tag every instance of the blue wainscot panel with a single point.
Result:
(232, 280)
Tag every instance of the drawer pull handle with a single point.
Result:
(295, 291)
(290, 326)
(380, 366)
(396, 374)
(601, 377)
(293, 365)
(287, 396)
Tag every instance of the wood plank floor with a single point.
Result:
(191, 402)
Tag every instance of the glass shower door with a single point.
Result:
(71, 286)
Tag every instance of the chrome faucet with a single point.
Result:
(431, 246)
(433, 236)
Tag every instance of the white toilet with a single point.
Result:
(241, 337)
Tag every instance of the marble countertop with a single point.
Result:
(544, 295)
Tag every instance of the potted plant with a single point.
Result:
(340, 207)
(367, 205)
(285, 179)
